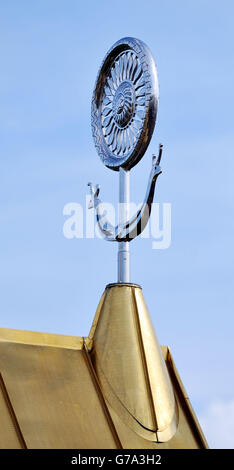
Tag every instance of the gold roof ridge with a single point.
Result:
(129, 363)
(41, 339)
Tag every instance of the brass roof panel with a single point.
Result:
(50, 397)
(130, 365)
(53, 393)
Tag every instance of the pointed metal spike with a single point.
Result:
(129, 64)
(118, 141)
(128, 139)
(114, 145)
(126, 58)
(106, 110)
(160, 153)
(134, 130)
(107, 121)
(107, 90)
(114, 79)
(121, 67)
(106, 100)
(110, 83)
(138, 74)
(132, 133)
(125, 67)
(124, 145)
(117, 71)
(109, 128)
(140, 83)
(121, 141)
(110, 138)
(134, 68)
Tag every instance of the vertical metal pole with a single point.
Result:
(124, 199)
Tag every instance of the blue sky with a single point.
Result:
(50, 54)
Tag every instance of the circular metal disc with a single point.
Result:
(124, 104)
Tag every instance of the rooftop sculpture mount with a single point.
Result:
(116, 388)
(124, 110)
(136, 384)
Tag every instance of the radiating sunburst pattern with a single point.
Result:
(123, 103)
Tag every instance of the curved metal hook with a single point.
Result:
(131, 229)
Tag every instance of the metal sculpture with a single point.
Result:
(124, 110)
(129, 230)
(124, 104)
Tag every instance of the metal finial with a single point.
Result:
(124, 110)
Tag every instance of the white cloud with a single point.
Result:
(217, 422)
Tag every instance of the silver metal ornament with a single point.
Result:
(124, 104)
(124, 110)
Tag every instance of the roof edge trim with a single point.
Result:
(36, 338)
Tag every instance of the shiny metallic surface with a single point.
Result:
(124, 109)
(51, 397)
(138, 388)
(124, 199)
(11, 435)
(117, 388)
(188, 435)
(129, 229)
(54, 394)
(124, 104)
